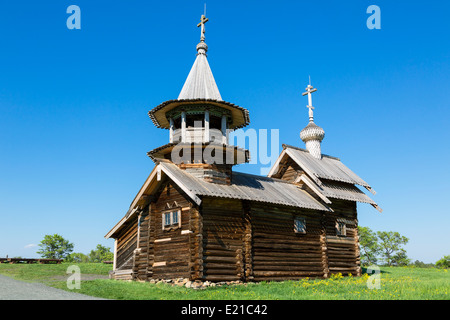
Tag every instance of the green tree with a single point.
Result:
(54, 247)
(369, 246)
(391, 245)
(421, 264)
(101, 254)
(400, 258)
(77, 257)
(444, 262)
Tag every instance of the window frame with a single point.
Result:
(303, 221)
(171, 213)
(341, 232)
(172, 216)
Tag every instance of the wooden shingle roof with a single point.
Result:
(200, 83)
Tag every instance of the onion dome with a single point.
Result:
(312, 132)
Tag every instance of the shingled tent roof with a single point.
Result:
(200, 83)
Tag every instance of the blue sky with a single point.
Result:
(74, 129)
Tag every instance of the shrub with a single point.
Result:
(443, 263)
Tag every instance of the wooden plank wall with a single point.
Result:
(176, 251)
(228, 239)
(278, 252)
(340, 254)
(223, 231)
(126, 244)
(343, 252)
(289, 170)
(141, 258)
(195, 244)
(151, 240)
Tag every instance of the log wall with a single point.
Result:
(195, 244)
(343, 251)
(223, 239)
(278, 252)
(340, 254)
(126, 244)
(141, 253)
(289, 170)
(170, 254)
(229, 239)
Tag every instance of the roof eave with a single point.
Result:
(170, 104)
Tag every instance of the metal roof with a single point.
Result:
(344, 191)
(245, 187)
(326, 168)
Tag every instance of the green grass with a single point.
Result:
(50, 272)
(396, 283)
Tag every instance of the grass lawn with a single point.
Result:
(396, 283)
(48, 273)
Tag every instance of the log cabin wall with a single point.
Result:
(213, 173)
(140, 268)
(169, 249)
(343, 250)
(223, 239)
(229, 239)
(151, 240)
(340, 253)
(279, 253)
(126, 245)
(195, 244)
(289, 170)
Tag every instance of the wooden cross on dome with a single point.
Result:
(310, 89)
(203, 20)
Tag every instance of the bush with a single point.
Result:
(421, 264)
(101, 254)
(443, 263)
(77, 257)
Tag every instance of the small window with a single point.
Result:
(341, 229)
(300, 225)
(175, 217)
(171, 219)
(167, 219)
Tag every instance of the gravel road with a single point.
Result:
(11, 289)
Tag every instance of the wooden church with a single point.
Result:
(196, 218)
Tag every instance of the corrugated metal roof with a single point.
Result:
(344, 191)
(326, 168)
(247, 187)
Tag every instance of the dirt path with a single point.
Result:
(18, 290)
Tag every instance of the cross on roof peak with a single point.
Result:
(309, 90)
(203, 20)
